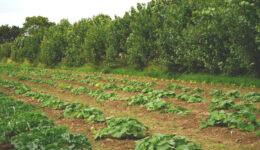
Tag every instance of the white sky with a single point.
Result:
(14, 12)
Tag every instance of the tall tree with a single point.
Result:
(96, 39)
(8, 34)
(34, 24)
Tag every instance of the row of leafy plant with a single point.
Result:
(120, 128)
(158, 104)
(251, 97)
(154, 103)
(92, 80)
(77, 110)
(154, 95)
(134, 129)
(24, 127)
(86, 79)
(36, 80)
(71, 110)
(241, 115)
(190, 97)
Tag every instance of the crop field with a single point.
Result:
(48, 108)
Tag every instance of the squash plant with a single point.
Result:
(172, 86)
(244, 120)
(140, 99)
(216, 92)
(166, 142)
(234, 94)
(48, 137)
(161, 93)
(65, 86)
(221, 103)
(20, 77)
(22, 122)
(10, 107)
(122, 128)
(175, 110)
(157, 104)
(252, 97)
(130, 88)
(80, 90)
(54, 103)
(191, 98)
(77, 110)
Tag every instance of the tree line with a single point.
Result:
(211, 36)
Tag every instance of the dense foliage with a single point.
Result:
(122, 128)
(241, 115)
(57, 139)
(25, 128)
(166, 142)
(213, 36)
(8, 34)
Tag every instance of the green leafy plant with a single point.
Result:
(173, 86)
(101, 96)
(80, 90)
(137, 83)
(252, 97)
(111, 79)
(95, 77)
(109, 96)
(51, 83)
(19, 77)
(22, 122)
(21, 89)
(122, 128)
(130, 88)
(161, 93)
(38, 80)
(216, 92)
(77, 110)
(191, 98)
(33, 130)
(137, 100)
(166, 142)
(234, 94)
(95, 93)
(196, 90)
(244, 120)
(221, 103)
(50, 138)
(175, 110)
(85, 81)
(108, 86)
(146, 89)
(184, 89)
(11, 107)
(55, 103)
(70, 110)
(154, 103)
(242, 105)
(41, 97)
(65, 87)
(157, 104)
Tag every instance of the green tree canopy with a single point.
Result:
(33, 24)
(8, 34)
